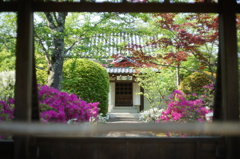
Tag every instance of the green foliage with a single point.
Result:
(7, 61)
(97, 28)
(80, 30)
(41, 69)
(7, 84)
(88, 80)
(156, 85)
(42, 75)
(7, 41)
(8, 34)
(194, 82)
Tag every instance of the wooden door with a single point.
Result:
(123, 95)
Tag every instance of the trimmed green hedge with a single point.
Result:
(87, 79)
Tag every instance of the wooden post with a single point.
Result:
(229, 70)
(24, 69)
(141, 99)
(229, 61)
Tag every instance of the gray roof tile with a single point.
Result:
(120, 70)
(107, 45)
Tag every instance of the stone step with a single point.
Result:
(123, 115)
(123, 119)
(124, 110)
(124, 107)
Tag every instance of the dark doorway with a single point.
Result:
(123, 95)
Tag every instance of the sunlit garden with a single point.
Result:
(72, 54)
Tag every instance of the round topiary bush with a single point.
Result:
(194, 82)
(87, 79)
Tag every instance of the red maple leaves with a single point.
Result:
(184, 38)
(175, 57)
(138, 59)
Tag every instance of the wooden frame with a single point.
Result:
(227, 90)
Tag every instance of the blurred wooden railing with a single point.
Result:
(96, 130)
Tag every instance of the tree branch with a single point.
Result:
(45, 52)
(56, 18)
(211, 77)
(50, 20)
(70, 48)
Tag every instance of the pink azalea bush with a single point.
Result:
(208, 95)
(182, 110)
(6, 113)
(55, 106)
(6, 110)
(61, 107)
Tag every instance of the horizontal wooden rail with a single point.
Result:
(115, 7)
(96, 130)
(118, 7)
(126, 7)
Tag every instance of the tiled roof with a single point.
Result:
(120, 70)
(106, 45)
(124, 70)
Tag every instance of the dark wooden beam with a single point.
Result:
(8, 6)
(125, 7)
(229, 72)
(24, 62)
(229, 62)
(118, 7)
(24, 74)
(35, 112)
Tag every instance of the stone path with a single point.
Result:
(126, 115)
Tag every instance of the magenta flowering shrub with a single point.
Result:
(6, 110)
(58, 106)
(55, 106)
(6, 113)
(208, 96)
(182, 110)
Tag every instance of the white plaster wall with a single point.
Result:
(136, 98)
(111, 97)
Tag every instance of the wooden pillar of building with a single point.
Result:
(24, 73)
(229, 71)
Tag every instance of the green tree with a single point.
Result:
(157, 84)
(189, 36)
(7, 41)
(51, 37)
(194, 82)
(60, 35)
(7, 60)
(185, 43)
(181, 38)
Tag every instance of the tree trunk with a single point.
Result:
(177, 75)
(55, 73)
(55, 65)
(56, 23)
